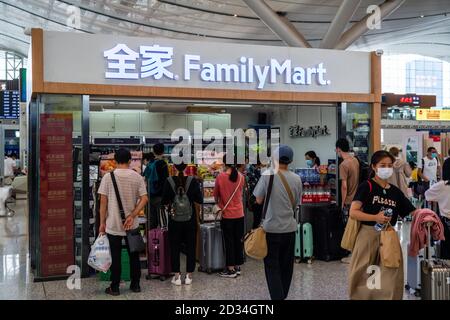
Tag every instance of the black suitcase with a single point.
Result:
(328, 226)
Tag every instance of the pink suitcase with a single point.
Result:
(159, 262)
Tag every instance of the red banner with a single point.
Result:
(56, 194)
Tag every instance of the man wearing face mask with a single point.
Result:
(429, 168)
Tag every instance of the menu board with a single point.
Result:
(9, 105)
(56, 194)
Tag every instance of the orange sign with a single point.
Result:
(432, 115)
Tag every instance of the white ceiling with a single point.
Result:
(418, 26)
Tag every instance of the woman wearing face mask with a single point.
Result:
(369, 205)
(312, 160)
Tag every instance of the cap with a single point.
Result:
(284, 153)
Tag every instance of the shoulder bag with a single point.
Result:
(352, 229)
(134, 237)
(255, 244)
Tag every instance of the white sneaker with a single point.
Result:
(188, 280)
(346, 260)
(176, 280)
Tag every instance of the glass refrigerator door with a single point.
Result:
(358, 126)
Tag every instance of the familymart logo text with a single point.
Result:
(156, 62)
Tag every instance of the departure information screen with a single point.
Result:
(9, 105)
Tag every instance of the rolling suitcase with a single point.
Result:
(212, 255)
(435, 276)
(328, 227)
(304, 243)
(413, 272)
(159, 261)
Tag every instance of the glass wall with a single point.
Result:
(410, 73)
(55, 158)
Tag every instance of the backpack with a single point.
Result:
(364, 171)
(155, 185)
(181, 208)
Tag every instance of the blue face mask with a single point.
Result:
(434, 155)
(309, 163)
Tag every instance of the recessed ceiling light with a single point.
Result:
(422, 16)
(235, 15)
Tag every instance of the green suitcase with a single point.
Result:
(304, 243)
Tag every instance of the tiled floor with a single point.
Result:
(319, 280)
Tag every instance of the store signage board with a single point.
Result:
(409, 100)
(112, 60)
(433, 115)
(9, 104)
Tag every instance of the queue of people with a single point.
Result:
(273, 197)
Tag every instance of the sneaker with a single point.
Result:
(346, 259)
(112, 292)
(188, 280)
(238, 270)
(135, 288)
(228, 274)
(176, 280)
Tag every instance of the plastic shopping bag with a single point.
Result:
(100, 255)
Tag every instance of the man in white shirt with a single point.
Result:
(429, 167)
(440, 192)
(9, 167)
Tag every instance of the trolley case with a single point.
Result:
(328, 226)
(212, 255)
(435, 274)
(304, 243)
(159, 261)
(413, 271)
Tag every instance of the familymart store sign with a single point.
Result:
(104, 59)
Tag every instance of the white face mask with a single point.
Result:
(384, 173)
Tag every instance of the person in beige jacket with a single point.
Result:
(402, 171)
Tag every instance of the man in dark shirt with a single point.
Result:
(156, 176)
(446, 168)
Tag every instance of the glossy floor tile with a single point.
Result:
(319, 280)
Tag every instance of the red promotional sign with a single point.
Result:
(56, 194)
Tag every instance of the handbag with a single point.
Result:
(350, 234)
(255, 244)
(390, 250)
(351, 229)
(134, 237)
(217, 211)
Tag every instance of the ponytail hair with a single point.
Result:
(181, 177)
(234, 172)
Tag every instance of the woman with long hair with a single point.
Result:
(182, 224)
(229, 188)
(373, 200)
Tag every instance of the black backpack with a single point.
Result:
(364, 170)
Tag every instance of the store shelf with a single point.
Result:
(209, 183)
(79, 203)
(142, 220)
(209, 200)
(91, 221)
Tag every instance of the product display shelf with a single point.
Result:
(208, 200)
